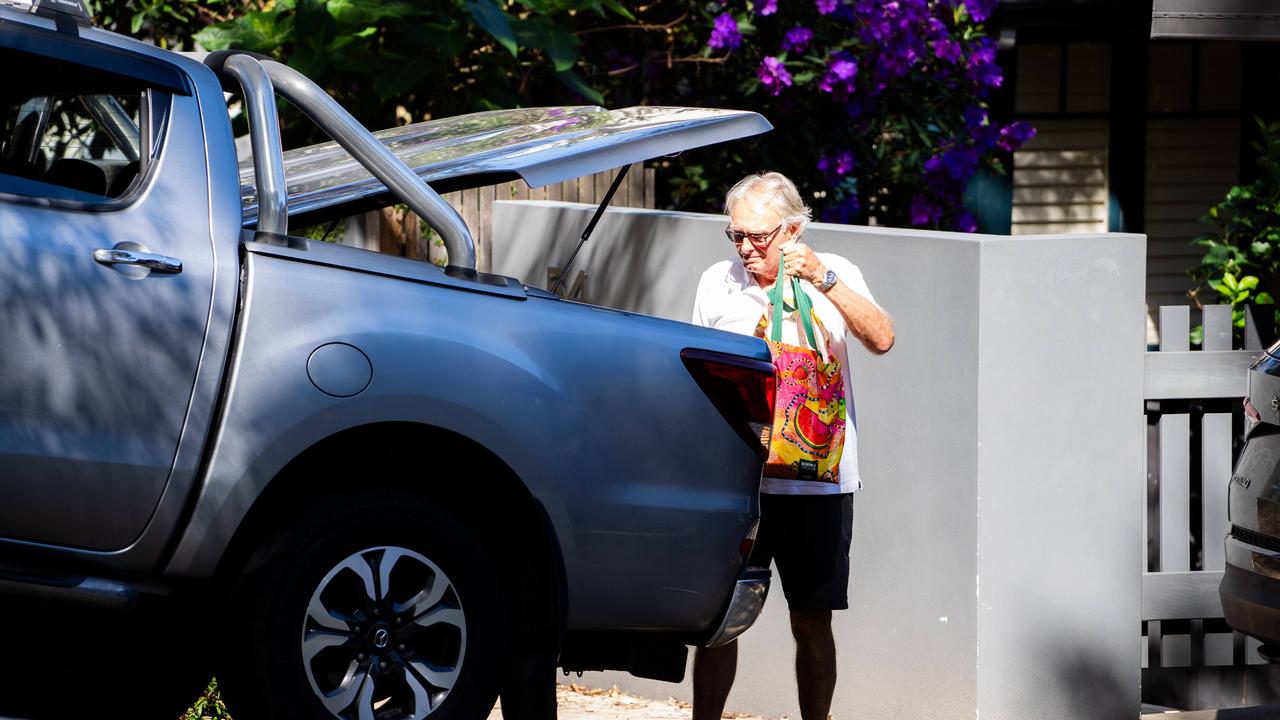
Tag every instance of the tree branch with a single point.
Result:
(637, 26)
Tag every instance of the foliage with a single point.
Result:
(168, 23)
(881, 106)
(1242, 251)
(390, 61)
(209, 706)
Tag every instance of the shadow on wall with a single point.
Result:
(1195, 688)
(1087, 679)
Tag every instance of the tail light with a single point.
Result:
(740, 388)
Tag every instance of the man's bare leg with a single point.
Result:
(815, 662)
(713, 673)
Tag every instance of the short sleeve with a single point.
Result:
(850, 275)
(699, 299)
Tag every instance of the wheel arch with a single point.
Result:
(484, 492)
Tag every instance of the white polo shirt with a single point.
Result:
(729, 299)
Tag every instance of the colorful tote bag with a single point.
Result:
(809, 404)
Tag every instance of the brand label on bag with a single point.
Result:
(807, 470)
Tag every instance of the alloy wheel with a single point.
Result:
(384, 636)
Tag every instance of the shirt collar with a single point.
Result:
(742, 281)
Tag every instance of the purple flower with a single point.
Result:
(986, 137)
(982, 67)
(979, 10)
(947, 49)
(773, 75)
(840, 74)
(1014, 135)
(960, 162)
(844, 163)
(922, 211)
(966, 222)
(724, 34)
(797, 39)
(826, 7)
(975, 117)
(845, 211)
(768, 7)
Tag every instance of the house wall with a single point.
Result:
(1168, 154)
(997, 541)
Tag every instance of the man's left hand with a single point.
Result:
(799, 261)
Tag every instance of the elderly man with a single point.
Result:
(805, 525)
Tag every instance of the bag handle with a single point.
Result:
(803, 307)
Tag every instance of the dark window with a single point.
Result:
(70, 132)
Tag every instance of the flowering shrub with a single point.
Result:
(880, 105)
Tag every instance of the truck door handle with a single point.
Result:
(157, 263)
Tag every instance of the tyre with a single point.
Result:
(385, 607)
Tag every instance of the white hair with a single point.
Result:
(779, 193)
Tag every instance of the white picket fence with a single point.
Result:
(1193, 406)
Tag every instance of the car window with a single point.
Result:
(76, 134)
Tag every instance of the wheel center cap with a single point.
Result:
(381, 638)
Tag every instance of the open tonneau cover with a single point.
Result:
(541, 145)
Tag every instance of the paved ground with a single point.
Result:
(575, 702)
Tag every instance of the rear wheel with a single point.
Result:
(387, 608)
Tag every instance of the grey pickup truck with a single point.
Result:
(348, 485)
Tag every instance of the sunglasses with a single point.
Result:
(758, 240)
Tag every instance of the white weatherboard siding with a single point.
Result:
(1191, 163)
(1060, 179)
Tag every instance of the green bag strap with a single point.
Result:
(775, 300)
(803, 306)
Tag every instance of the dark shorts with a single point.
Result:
(808, 537)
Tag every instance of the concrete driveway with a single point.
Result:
(575, 702)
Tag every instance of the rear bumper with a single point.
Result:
(1251, 603)
(749, 594)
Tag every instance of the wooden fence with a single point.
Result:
(1191, 658)
(391, 230)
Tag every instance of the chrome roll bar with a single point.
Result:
(264, 134)
(261, 80)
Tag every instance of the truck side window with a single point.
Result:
(75, 133)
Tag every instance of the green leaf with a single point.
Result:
(364, 12)
(492, 20)
(1263, 298)
(620, 9)
(562, 48)
(136, 23)
(1230, 281)
(575, 83)
(1248, 282)
(389, 85)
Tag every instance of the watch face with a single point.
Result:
(830, 278)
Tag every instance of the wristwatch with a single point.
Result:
(828, 281)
